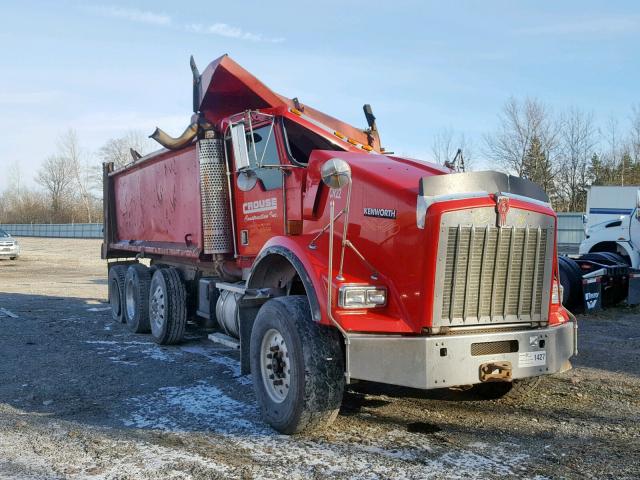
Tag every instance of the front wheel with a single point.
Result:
(297, 366)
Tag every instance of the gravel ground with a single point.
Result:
(80, 397)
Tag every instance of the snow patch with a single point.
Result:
(215, 355)
(122, 352)
(198, 407)
(98, 309)
(8, 313)
(371, 454)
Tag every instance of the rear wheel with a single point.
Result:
(136, 295)
(297, 366)
(515, 391)
(117, 275)
(167, 306)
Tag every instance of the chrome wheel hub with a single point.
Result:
(158, 309)
(275, 365)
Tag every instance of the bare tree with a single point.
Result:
(634, 133)
(14, 175)
(446, 144)
(578, 140)
(612, 158)
(84, 173)
(442, 148)
(117, 150)
(520, 122)
(56, 177)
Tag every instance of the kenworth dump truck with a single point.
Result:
(329, 259)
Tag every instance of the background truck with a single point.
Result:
(329, 259)
(604, 273)
(612, 223)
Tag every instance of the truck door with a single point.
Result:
(258, 189)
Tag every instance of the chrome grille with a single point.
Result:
(214, 197)
(494, 275)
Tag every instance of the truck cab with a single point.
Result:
(612, 222)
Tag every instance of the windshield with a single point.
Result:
(3, 233)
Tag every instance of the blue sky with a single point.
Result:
(104, 68)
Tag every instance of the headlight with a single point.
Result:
(362, 296)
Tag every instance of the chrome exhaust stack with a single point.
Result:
(177, 143)
(196, 128)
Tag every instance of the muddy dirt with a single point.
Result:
(80, 397)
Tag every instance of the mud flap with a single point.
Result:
(633, 297)
(592, 290)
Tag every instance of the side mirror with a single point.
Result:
(239, 143)
(335, 173)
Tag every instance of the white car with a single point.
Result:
(9, 247)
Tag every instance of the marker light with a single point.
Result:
(556, 293)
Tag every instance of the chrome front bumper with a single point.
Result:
(445, 361)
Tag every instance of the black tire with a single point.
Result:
(516, 391)
(117, 274)
(315, 367)
(619, 259)
(137, 284)
(565, 281)
(599, 257)
(571, 281)
(12, 258)
(167, 306)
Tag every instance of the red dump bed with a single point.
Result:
(156, 205)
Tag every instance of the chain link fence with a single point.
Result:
(55, 230)
(570, 230)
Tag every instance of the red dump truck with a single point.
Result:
(329, 259)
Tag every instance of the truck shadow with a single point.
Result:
(65, 357)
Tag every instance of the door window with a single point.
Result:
(263, 155)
